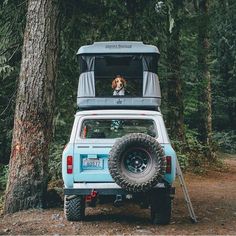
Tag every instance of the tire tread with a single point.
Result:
(74, 208)
(115, 158)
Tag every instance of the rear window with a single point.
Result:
(116, 128)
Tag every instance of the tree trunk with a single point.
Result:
(27, 181)
(205, 112)
(175, 114)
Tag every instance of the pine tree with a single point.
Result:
(175, 98)
(205, 93)
(27, 180)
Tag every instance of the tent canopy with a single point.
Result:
(101, 62)
(129, 65)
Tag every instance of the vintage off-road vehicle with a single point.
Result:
(119, 148)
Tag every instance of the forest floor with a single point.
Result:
(213, 197)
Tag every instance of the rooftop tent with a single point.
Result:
(101, 62)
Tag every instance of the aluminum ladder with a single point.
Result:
(185, 191)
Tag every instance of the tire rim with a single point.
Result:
(136, 160)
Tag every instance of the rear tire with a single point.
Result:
(74, 208)
(161, 205)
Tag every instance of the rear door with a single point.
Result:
(94, 138)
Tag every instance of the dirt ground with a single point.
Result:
(213, 197)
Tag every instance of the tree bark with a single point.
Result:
(175, 114)
(27, 181)
(205, 112)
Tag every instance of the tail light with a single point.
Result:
(69, 164)
(168, 165)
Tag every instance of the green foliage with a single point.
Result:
(191, 154)
(5, 69)
(223, 66)
(183, 161)
(12, 20)
(3, 182)
(226, 141)
(3, 177)
(54, 164)
(196, 151)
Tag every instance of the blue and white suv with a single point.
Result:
(122, 153)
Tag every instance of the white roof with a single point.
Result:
(118, 47)
(118, 112)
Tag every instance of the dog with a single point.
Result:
(118, 85)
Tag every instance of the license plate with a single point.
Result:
(89, 163)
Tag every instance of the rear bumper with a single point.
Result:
(104, 189)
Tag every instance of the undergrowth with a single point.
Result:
(55, 160)
(3, 181)
(226, 141)
(3, 176)
(192, 155)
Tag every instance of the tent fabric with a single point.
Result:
(149, 61)
(87, 63)
(151, 86)
(86, 87)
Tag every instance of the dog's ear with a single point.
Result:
(113, 84)
(124, 82)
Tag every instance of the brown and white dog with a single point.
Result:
(118, 85)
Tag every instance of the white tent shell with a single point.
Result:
(117, 47)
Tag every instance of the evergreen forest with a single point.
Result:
(197, 70)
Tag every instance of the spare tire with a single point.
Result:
(137, 162)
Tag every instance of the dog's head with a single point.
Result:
(118, 83)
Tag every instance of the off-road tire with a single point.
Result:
(161, 204)
(130, 150)
(74, 208)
